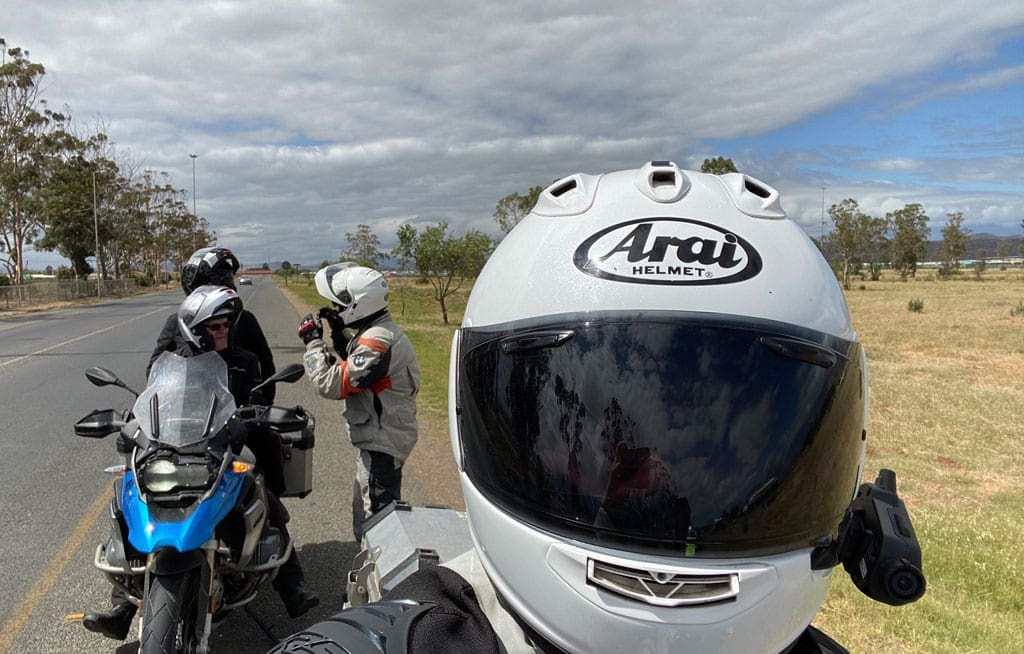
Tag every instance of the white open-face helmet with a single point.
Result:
(358, 291)
(658, 409)
(206, 303)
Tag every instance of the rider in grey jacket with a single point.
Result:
(378, 376)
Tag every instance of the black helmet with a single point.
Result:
(209, 266)
(206, 303)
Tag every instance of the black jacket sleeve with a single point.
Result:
(243, 375)
(166, 341)
(250, 337)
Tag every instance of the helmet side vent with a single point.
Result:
(755, 188)
(569, 196)
(562, 189)
(751, 196)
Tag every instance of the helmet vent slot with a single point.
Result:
(564, 188)
(756, 188)
(663, 588)
(663, 178)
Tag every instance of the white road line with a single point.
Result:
(84, 336)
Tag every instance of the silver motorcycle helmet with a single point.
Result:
(658, 411)
(202, 304)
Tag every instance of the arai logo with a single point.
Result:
(675, 251)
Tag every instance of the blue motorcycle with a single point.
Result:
(190, 533)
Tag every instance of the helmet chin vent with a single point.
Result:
(663, 588)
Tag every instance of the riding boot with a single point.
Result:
(115, 623)
(288, 584)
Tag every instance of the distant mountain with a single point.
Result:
(976, 243)
(386, 263)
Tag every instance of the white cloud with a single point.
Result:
(895, 164)
(312, 117)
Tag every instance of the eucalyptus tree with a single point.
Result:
(954, 243)
(30, 134)
(718, 166)
(909, 227)
(363, 247)
(513, 207)
(444, 260)
(849, 234)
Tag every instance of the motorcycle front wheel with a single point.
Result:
(169, 615)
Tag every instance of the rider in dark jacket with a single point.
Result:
(217, 266)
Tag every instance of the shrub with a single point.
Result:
(1017, 310)
(144, 281)
(65, 273)
(915, 305)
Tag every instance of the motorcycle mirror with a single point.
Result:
(103, 377)
(290, 373)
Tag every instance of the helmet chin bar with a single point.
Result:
(877, 545)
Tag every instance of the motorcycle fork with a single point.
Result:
(207, 580)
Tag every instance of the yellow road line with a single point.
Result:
(24, 609)
(73, 340)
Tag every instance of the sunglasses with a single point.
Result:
(216, 326)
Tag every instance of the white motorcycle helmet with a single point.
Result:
(358, 292)
(657, 408)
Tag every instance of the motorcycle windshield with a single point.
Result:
(713, 436)
(186, 399)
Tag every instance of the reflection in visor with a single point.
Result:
(729, 438)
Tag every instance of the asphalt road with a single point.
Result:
(54, 492)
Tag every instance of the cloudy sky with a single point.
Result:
(310, 117)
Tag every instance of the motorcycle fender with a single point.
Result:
(169, 561)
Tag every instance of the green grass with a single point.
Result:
(947, 414)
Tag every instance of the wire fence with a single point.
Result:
(26, 295)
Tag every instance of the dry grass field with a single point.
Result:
(947, 414)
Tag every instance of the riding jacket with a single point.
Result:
(378, 379)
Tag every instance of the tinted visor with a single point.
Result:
(678, 432)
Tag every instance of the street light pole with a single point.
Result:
(193, 156)
(194, 214)
(823, 213)
(96, 232)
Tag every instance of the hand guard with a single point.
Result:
(310, 329)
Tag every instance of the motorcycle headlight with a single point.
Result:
(164, 475)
